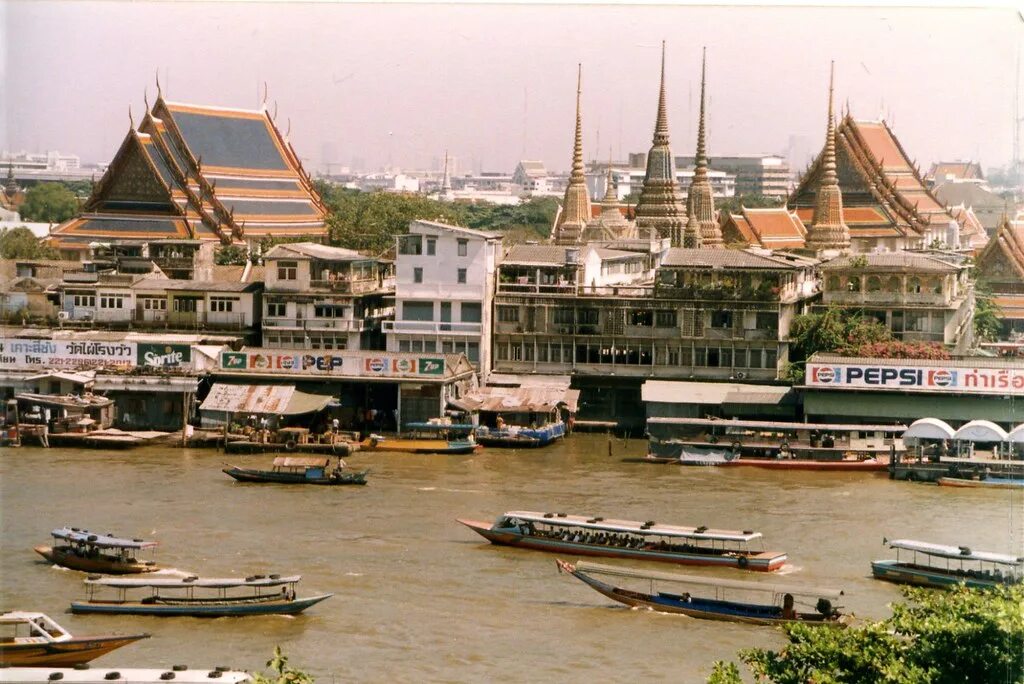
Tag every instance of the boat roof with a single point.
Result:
(957, 552)
(90, 675)
(439, 426)
(181, 582)
(776, 425)
(796, 590)
(633, 526)
(302, 461)
(106, 541)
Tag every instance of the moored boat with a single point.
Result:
(938, 565)
(90, 552)
(426, 438)
(988, 482)
(583, 536)
(710, 598)
(517, 437)
(301, 470)
(35, 640)
(123, 675)
(198, 597)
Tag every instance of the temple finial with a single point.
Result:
(610, 195)
(828, 231)
(661, 123)
(829, 161)
(264, 103)
(159, 92)
(145, 97)
(275, 111)
(701, 229)
(576, 202)
(577, 147)
(131, 119)
(701, 160)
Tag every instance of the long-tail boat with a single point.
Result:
(198, 597)
(89, 552)
(583, 536)
(426, 438)
(989, 482)
(938, 565)
(179, 674)
(710, 598)
(301, 470)
(35, 640)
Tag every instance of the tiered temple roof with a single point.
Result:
(770, 228)
(610, 223)
(575, 214)
(884, 195)
(701, 227)
(1001, 263)
(199, 172)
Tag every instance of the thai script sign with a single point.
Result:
(164, 355)
(920, 378)
(317, 362)
(27, 354)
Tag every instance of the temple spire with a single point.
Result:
(828, 231)
(576, 203)
(660, 207)
(701, 228)
(446, 180)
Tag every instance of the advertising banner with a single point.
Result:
(320, 362)
(164, 355)
(27, 354)
(919, 378)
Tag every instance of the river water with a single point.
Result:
(418, 597)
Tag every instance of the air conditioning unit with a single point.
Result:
(63, 315)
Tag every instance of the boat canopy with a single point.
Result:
(955, 552)
(103, 541)
(184, 582)
(981, 431)
(775, 425)
(39, 625)
(634, 527)
(440, 426)
(796, 590)
(302, 462)
(929, 428)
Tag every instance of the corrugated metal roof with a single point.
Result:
(518, 399)
(728, 258)
(696, 392)
(896, 262)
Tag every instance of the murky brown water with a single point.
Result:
(419, 597)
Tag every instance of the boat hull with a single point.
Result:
(875, 465)
(180, 608)
(270, 477)
(899, 573)
(242, 446)
(75, 651)
(60, 555)
(419, 446)
(523, 438)
(762, 562)
(704, 609)
(990, 483)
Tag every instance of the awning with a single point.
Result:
(695, 392)
(83, 378)
(283, 400)
(302, 462)
(929, 428)
(1017, 434)
(981, 431)
(518, 400)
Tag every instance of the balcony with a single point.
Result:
(336, 324)
(349, 286)
(433, 328)
(886, 298)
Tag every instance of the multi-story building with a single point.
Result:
(320, 297)
(444, 287)
(761, 174)
(629, 180)
(920, 298)
(530, 177)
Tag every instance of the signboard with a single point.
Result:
(918, 378)
(164, 355)
(27, 354)
(321, 362)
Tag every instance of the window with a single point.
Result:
(588, 316)
(874, 284)
(287, 270)
(461, 276)
(328, 311)
(431, 246)
(771, 358)
(417, 345)
(185, 305)
(410, 244)
(508, 314)
(418, 311)
(665, 319)
(471, 312)
(111, 301)
(403, 345)
(153, 303)
(644, 318)
(853, 284)
(223, 304)
(447, 347)
(721, 319)
(463, 247)
(430, 346)
(446, 312)
(277, 309)
(85, 300)
(767, 320)
(914, 285)
(417, 275)
(563, 316)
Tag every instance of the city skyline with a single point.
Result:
(398, 85)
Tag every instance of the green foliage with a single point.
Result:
(530, 220)
(940, 637)
(281, 673)
(21, 243)
(732, 204)
(230, 255)
(835, 330)
(987, 326)
(48, 203)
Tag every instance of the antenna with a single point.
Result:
(525, 99)
(1016, 121)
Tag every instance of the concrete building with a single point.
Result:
(530, 177)
(759, 174)
(320, 297)
(444, 287)
(51, 160)
(628, 180)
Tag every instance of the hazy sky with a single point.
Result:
(400, 83)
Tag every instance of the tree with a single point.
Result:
(938, 637)
(21, 243)
(281, 673)
(752, 201)
(987, 326)
(230, 255)
(48, 203)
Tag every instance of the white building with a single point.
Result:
(444, 287)
(628, 180)
(530, 177)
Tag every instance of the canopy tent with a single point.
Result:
(281, 400)
(1016, 435)
(981, 431)
(929, 428)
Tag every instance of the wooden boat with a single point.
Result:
(937, 565)
(583, 536)
(90, 552)
(35, 640)
(179, 674)
(991, 482)
(198, 597)
(516, 437)
(708, 598)
(301, 470)
(337, 447)
(94, 440)
(426, 438)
